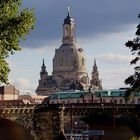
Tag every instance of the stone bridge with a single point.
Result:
(45, 121)
(107, 114)
(21, 114)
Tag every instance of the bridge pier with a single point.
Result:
(48, 121)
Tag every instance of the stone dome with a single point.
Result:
(69, 63)
(69, 66)
(68, 20)
(69, 58)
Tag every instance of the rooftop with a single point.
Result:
(98, 93)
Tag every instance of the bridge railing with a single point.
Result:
(16, 106)
(97, 105)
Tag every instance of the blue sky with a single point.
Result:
(102, 29)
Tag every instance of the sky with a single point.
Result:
(102, 29)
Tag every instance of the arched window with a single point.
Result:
(83, 61)
(104, 101)
(115, 101)
(44, 83)
(121, 101)
(133, 101)
(78, 101)
(68, 102)
(138, 100)
(61, 57)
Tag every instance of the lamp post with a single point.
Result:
(100, 95)
(114, 123)
(71, 115)
(88, 132)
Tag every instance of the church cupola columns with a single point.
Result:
(69, 30)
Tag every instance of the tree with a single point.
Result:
(134, 46)
(15, 24)
(135, 138)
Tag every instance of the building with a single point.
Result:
(8, 93)
(69, 65)
(97, 96)
(32, 99)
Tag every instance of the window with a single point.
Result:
(138, 100)
(44, 83)
(61, 57)
(121, 101)
(115, 101)
(133, 101)
(104, 100)
(78, 101)
(83, 61)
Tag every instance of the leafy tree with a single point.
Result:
(15, 24)
(134, 46)
(135, 138)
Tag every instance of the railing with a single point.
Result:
(98, 105)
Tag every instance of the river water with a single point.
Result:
(11, 131)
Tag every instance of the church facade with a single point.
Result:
(69, 65)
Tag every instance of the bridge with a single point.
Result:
(46, 120)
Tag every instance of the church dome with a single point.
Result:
(68, 20)
(69, 58)
(69, 63)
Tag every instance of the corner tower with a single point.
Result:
(46, 84)
(69, 62)
(95, 82)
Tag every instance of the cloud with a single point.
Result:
(14, 65)
(42, 49)
(99, 18)
(111, 58)
(23, 84)
(115, 57)
(114, 78)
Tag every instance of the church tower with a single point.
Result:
(46, 84)
(69, 62)
(43, 74)
(95, 82)
(69, 30)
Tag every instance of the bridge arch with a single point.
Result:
(10, 130)
(105, 123)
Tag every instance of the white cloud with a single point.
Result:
(116, 57)
(114, 78)
(23, 85)
(111, 57)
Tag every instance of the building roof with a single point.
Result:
(9, 90)
(113, 93)
(97, 93)
(69, 95)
